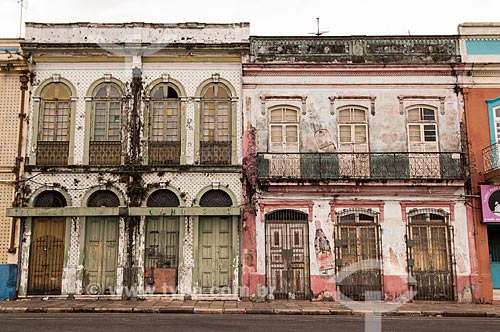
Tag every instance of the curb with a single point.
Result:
(249, 311)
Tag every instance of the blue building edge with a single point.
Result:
(8, 281)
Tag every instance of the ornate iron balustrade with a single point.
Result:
(491, 157)
(164, 153)
(376, 166)
(338, 47)
(105, 153)
(215, 153)
(52, 153)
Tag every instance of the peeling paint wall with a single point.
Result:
(72, 66)
(318, 84)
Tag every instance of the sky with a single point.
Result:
(266, 17)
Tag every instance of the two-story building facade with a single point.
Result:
(355, 172)
(133, 184)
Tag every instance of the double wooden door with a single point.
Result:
(46, 256)
(287, 251)
(215, 258)
(101, 255)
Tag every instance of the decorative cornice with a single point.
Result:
(348, 72)
(265, 98)
(370, 98)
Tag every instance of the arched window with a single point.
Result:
(105, 198)
(422, 129)
(216, 131)
(165, 131)
(353, 129)
(50, 198)
(423, 143)
(354, 162)
(54, 125)
(163, 198)
(216, 198)
(284, 129)
(105, 142)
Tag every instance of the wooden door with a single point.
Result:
(101, 255)
(287, 255)
(359, 275)
(430, 257)
(46, 256)
(161, 253)
(215, 258)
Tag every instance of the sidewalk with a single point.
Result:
(292, 307)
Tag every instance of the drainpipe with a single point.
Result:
(24, 79)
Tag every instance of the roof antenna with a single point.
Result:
(318, 33)
(22, 4)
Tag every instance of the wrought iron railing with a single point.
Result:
(383, 166)
(215, 153)
(52, 153)
(164, 153)
(105, 153)
(491, 157)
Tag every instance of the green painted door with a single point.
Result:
(101, 254)
(215, 255)
(46, 256)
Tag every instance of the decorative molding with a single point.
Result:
(165, 78)
(265, 98)
(334, 73)
(269, 206)
(405, 205)
(107, 78)
(402, 99)
(370, 98)
(56, 78)
(357, 204)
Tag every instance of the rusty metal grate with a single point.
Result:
(50, 198)
(357, 249)
(103, 198)
(216, 198)
(287, 255)
(105, 153)
(52, 153)
(164, 153)
(215, 153)
(163, 198)
(429, 255)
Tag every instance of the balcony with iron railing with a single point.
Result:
(164, 153)
(491, 158)
(50, 153)
(370, 166)
(104, 153)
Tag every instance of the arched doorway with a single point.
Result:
(215, 259)
(47, 247)
(359, 269)
(287, 254)
(101, 246)
(161, 259)
(429, 255)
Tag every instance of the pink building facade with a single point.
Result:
(353, 170)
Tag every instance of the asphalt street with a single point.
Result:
(108, 322)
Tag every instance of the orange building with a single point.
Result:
(480, 50)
